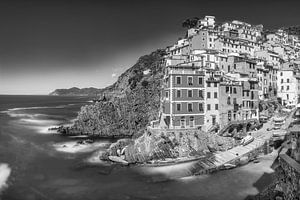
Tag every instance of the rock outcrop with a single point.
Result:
(170, 144)
(129, 104)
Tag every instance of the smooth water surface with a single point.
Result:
(31, 168)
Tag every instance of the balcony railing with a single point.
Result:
(183, 71)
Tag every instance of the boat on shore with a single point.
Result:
(229, 166)
(118, 159)
(247, 140)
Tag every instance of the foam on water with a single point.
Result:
(5, 171)
(11, 111)
(37, 107)
(95, 158)
(75, 147)
(37, 121)
(170, 171)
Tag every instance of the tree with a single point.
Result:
(190, 22)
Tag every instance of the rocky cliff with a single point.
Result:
(127, 106)
(169, 144)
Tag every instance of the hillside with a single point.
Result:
(293, 30)
(129, 104)
(74, 91)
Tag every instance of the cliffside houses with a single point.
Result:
(217, 75)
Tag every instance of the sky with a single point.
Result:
(50, 44)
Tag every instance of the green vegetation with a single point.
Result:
(74, 91)
(130, 103)
(190, 22)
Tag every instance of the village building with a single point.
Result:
(208, 21)
(204, 39)
(216, 75)
(212, 114)
(230, 101)
(183, 97)
(288, 84)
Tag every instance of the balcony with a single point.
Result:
(212, 79)
(186, 71)
(253, 79)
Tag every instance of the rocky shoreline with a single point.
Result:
(125, 109)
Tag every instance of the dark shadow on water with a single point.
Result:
(265, 181)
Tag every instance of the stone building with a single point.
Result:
(230, 101)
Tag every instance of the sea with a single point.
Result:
(32, 167)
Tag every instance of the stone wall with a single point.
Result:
(287, 185)
(288, 176)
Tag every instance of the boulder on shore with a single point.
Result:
(170, 144)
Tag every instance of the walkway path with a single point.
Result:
(219, 159)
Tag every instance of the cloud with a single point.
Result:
(4, 174)
(114, 75)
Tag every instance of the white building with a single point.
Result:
(288, 84)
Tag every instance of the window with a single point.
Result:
(229, 115)
(215, 95)
(178, 107)
(208, 106)
(208, 84)
(182, 122)
(281, 74)
(178, 80)
(201, 107)
(190, 93)
(190, 80)
(190, 107)
(192, 122)
(234, 90)
(234, 100)
(167, 94)
(288, 87)
(227, 89)
(234, 66)
(216, 107)
(287, 80)
(200, 93)
(228, 100)
(178, 93)
(282, 88)
(215, 84)
(200, 81)
(208, 95)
